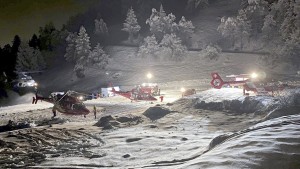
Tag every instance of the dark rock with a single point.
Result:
(184, 139)
(153, 126)
(155, 113)
(97, 155)
(55, 155)
(105, 122)
(133, 140)
(128, 119)
(215, 106)
(126, 156)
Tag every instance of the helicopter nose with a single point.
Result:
(86, 111)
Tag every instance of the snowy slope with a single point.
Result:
(126, 70)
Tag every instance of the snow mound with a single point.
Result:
(51, 121)
(288, 104)
(27, 123)
(155, 113)
(232, 100)
(110, 122)
(218, 95)
(270, 144)
(248, 105)
(14, 126)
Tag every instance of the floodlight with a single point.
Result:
(182, 89)
(149, 75)
(253, 75)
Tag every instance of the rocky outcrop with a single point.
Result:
(110, 122)
(248, 105)
(157, 112)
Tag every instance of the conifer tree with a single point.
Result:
(243, 27)
(34, 42)
(269, 28)
(29, 59)
(160, 23)
(185, 30)
(12, 58)
(149, 47)
(228, 28)
(172, 43)
(82, 51)
(131, 25)
(98, 57)
(70, 54)
(100, 27)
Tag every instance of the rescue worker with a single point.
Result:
(54, 112)
(161, 98)
(95, 111)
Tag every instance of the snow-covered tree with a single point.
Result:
(212, 52)
(131, 25)
(79, 70)
(98, 57)
(228, 28)
(288, 25)
(243, 27)
(287, 17)
(29, 59)
(197, 3)
(70, 49)
(160, 23)
(185, 30)
(100, 27)
(269, 28)
(82, 51)
(149, 48)
(255, 12)
(192, 5)
(172, 44)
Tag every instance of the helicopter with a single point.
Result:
(25, 83)
(249, 82)
(66, 103)
(136, 94)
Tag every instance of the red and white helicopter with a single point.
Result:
(137, 94)
(249, 82)
(67, 103)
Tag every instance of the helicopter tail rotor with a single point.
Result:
(216, 81)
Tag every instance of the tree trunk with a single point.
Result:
(242, 45)
(130, 38)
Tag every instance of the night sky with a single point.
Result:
(24, 17)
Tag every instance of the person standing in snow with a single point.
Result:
(161, 98)
(95, 111)
(54, 113)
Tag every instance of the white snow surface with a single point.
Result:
(20, 108)
(178, 140)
